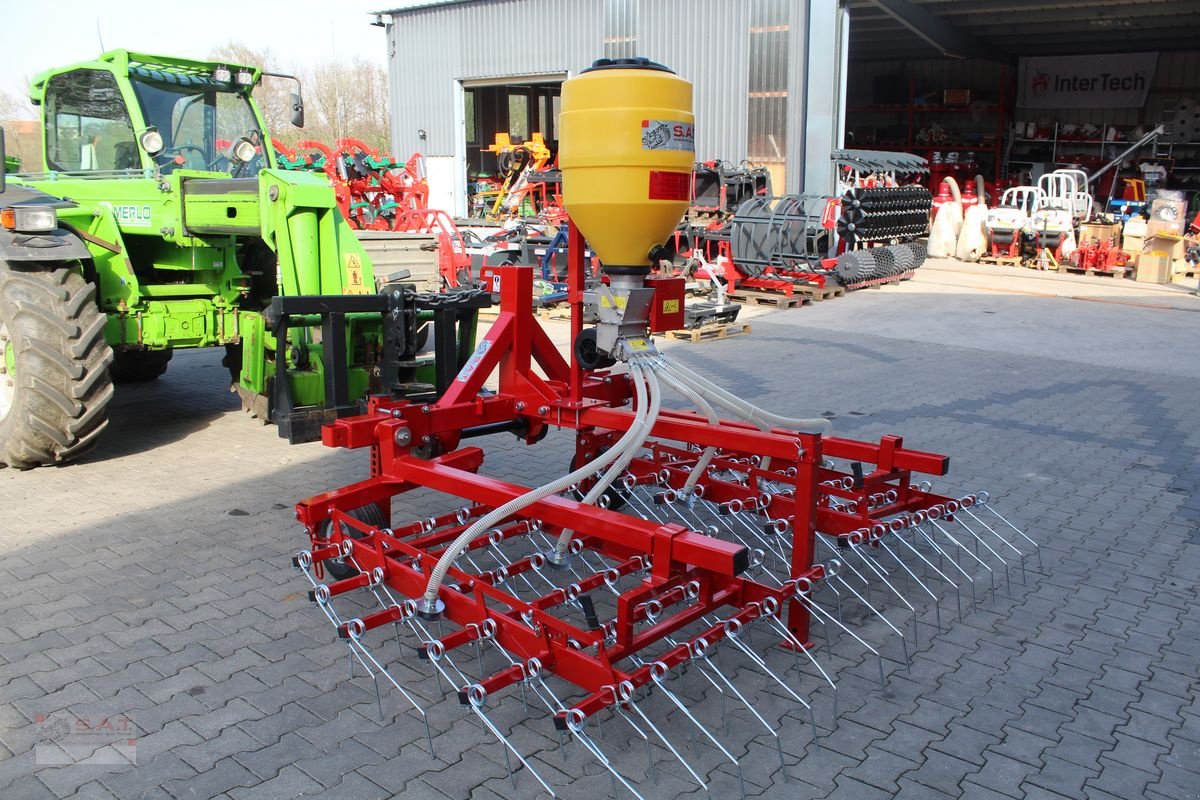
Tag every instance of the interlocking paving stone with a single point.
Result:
(154, 602)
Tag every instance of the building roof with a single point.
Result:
(403, 6)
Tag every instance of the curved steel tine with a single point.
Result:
(943, 556)
(1020, 532)
(660, 682)
(880, 573)
(834, 552)
(753, 656)
(979, 541)
(638, 730)
(989, 529)
(725, 679)
(878, 613)
(662, 737)
(762, 664)
(634, 496)
(365, 653)
(809, 603)
(926, 561)
(590, 744)
(925, 535)
(966, 549)
(491, 726)
(796, 646)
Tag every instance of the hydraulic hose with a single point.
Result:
(429, 600)
(710, 414)
(748, 411)
(622, 463)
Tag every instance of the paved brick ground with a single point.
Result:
(148, 595)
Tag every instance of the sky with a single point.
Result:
(299, 33)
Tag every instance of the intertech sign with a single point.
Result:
(1109, 81)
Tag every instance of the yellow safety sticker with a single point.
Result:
(670, 306)
(354, 274)
(638, 345)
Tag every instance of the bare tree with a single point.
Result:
(21, 130)
(343, 99)
(348, 100)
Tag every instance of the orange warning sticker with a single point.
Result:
(669, 185)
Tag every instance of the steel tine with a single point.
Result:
(796, 646)
(989, 529)
(365, 653)
(965, 574)
(942, 558)
(627, 695)
(658, 672)
(575, 726)
(733, 630)
(835, 574)
(979, 541)
(834, 551)
(701, 650)
(983, 502)
(880, 573)
(476, 696)
(619, 711)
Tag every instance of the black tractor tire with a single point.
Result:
(338, 568)
(138, 366)
(56, 358)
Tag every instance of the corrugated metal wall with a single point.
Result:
(713, 43)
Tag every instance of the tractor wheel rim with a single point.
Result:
(8, 372)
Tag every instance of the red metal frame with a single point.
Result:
(688, 574)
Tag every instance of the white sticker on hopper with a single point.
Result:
(665, 134)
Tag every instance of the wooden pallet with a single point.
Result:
(707, 333)
(819, 293)
(1116, 272)
(877, 283)
(777, 299)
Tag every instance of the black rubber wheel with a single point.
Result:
(371, 514)
(55, 387)
(615, 497)
(590, 357)
(138, 366)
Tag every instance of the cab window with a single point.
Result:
(87, 124)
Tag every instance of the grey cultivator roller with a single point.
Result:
(858, 268)
(884, 214)
(690, 598)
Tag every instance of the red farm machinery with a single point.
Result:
(684, 553)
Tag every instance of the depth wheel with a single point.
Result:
(54, 384)
(338, 568)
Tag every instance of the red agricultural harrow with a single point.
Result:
(683, 556)
(377, 193)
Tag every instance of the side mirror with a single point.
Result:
(297, 110)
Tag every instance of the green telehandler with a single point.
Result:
(158, 222)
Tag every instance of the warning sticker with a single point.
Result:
(354, 275)
(670, 306)
(670, 185)
(665, 134)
